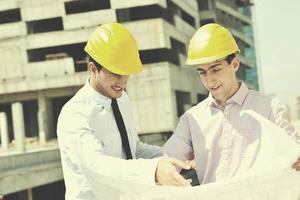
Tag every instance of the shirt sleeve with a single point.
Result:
(179, 145)
(147, 151)
(84, 150)
(280, 116)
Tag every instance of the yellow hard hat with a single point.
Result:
(113, 47)
(211, 42)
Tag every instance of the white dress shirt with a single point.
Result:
(89, 138)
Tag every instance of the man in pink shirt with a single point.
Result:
(223, 142)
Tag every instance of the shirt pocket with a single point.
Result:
(112, 145)
(249, 142)
(249, 135)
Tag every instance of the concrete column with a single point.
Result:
(4, 130)
(42, 127)
(45, 114)
(30, 195)
(18, 124)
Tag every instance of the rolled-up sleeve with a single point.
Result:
(280, 116)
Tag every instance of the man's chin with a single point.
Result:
(217, 96)
(116, 94)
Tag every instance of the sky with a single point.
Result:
(277, 31)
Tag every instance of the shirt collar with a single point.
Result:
(239, 97)
(96, 96)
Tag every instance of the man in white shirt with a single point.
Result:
(95, 128)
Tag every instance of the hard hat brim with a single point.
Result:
(131, 68)
(208, 59)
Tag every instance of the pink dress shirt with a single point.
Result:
(223, 142)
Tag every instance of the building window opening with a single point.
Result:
(9, 16)
(44, 25)
(79, 6)
(183, 101)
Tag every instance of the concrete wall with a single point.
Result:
(151, 96)
(27, 170)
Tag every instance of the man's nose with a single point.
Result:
(210, 79)
(123, 79)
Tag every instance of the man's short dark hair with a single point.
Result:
(230, 57)
(98, 66)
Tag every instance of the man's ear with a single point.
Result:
(92, 68)
(235, 63)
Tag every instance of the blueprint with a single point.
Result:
(270, 178)
(283, 185)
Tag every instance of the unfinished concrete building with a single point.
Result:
(43, 65)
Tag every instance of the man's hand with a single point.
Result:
(296, 165)
(191, 163)
(166, 173)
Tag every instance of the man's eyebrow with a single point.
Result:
(214, 65)
(210, 67)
